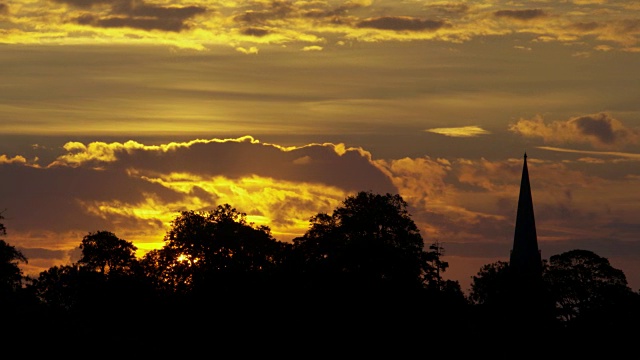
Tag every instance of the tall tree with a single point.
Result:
(432, 276)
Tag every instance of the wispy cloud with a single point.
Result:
(633, 156)
(464, 131)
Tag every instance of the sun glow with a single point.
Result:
(262, 199)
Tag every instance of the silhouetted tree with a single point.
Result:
(370, 241)
(589, 292)
(166, 271)
(10, 273)
(85, 305)
(58, 287)
(432, 274)
(18, 304)
(364, 269)
(14, 299)
(507, 306)
(214, 251)
(104, 252)
(490, 285)
(582, 295)
(11, 277)
(106, 286)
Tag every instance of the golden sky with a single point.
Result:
(117, 114)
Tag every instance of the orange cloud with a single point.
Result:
(420, 181)
(600, 130)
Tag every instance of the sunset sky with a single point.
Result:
(117, 114)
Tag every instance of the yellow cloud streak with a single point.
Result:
(633, 156)
(464, 131)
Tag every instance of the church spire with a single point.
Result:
(525, 261)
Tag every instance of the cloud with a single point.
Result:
(586, 26)
(251, 50)
(302, 160)
(528, 14)
(630, 156)
(337, 12)
(275, 10)
(449, 8)
(4, 159)
(135, 190)
(312, 48)
(282, 22)
(135, 14)
(401, 23)
(353, 165)
(474, 201)
(443, 204)
(255, 31)
(421, 180)
(463, 131)
(599, 130)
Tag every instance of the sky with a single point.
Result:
(118, 114)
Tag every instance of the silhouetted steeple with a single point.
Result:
(525, 261)
(529, 306)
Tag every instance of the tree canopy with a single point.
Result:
(371, 241)
(585, 285)
(103, 251)
(217, 244)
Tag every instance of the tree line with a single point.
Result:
(363, 267)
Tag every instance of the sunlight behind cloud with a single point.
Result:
(282, 205)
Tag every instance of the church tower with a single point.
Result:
(529, 305)
(525, 261)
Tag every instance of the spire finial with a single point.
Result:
(525, 155)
